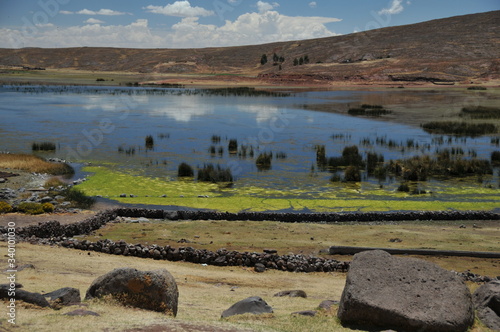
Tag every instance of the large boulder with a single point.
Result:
(253, 305)
(151, 290)
(404, 294)
(487, 302)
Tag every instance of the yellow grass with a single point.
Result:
(205, 292)
(31, 163)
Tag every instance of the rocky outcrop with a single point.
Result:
(404, 294)
(487, 302)
(252, 305)
(150, 290)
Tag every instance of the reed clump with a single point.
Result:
(459, 128)
(43, 146)
(215, 174)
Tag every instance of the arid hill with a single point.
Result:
(452, 49)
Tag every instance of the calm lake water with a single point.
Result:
(99, 125)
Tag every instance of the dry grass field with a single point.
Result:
(206, 291)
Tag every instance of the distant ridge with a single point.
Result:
(446, 50)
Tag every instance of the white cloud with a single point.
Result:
(179, 9)
(93, 21)
(247, 29)
(105, 12)
(313, 4)
(396, 7)
(266, 6)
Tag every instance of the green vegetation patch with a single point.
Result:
(367, 197)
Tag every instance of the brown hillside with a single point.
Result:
(451, 49)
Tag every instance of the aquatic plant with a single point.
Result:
(263, 161)
(368, 110)
(495, 157)
(481, 112)
(459, 128)
(321, 160)
(216, 139)
(215, 174)
(184, 170)
(43, 146)
(352, 174)
(232, 147)
(149, 142)
(373, 160)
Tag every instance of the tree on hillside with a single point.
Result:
(263, 59)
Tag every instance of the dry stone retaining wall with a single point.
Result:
(54, 233)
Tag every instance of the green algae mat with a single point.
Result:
(135, 189)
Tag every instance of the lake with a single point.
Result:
(108, 125)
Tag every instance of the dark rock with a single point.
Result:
(64, 296)
(327, 304)
(387, 292)
(292, 293)
(151, 290)
(309, 313)
(260, 268)
(253, 305)
(487, 302)
(22, 295)
(81, 312)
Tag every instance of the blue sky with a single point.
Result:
(207, 23)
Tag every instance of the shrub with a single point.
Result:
(184, 170)
(5, 207)
(43, 146)
(352, 174)
(477, 88)
(78, 198)
(47, 207)
(30, 208)
(211, 173)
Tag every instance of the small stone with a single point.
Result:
(259, 268)
(309, 313)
